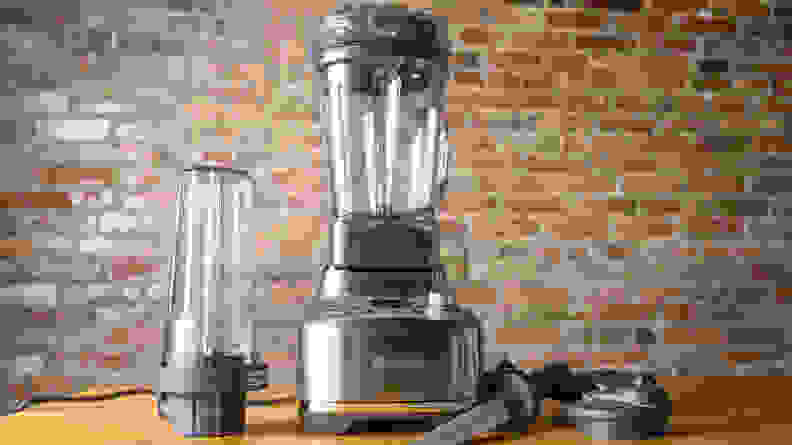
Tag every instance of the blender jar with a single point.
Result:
(211, 202)
(383, 79)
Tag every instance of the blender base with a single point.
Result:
(210, 415)
(355, 424)
(204, 401)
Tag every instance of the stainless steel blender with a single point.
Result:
(384, 346)
(203, 380)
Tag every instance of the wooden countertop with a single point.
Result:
(710, 410)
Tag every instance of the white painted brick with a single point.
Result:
(175, 68)
(132, 293)
(157, 291)
(126, 130)
(60, 243)
(95, 20)
(107, 197)
(75, 130)
(131, 179)
(29, 364)
(102, 152)
(108, 314)
(90, 225)
(117, 221)
(77, 295)
(152, 92)
(106, 108)
(135, 202)
(46, 102)
(30, 294)
(95, 245)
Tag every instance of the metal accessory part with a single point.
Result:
(633, 410)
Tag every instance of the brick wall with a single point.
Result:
(619, 181)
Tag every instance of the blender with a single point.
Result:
(203, 377)
(384, 346)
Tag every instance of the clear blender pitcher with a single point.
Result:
(383, 105)
(383, 74)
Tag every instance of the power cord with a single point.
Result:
(37, 399)
(21, 405)
(256, 382)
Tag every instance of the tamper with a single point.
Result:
(604, 404)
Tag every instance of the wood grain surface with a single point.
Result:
(706, 410)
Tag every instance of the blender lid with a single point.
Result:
(413, 30)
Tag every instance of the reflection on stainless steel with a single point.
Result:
(384, 356)
(392, 119)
